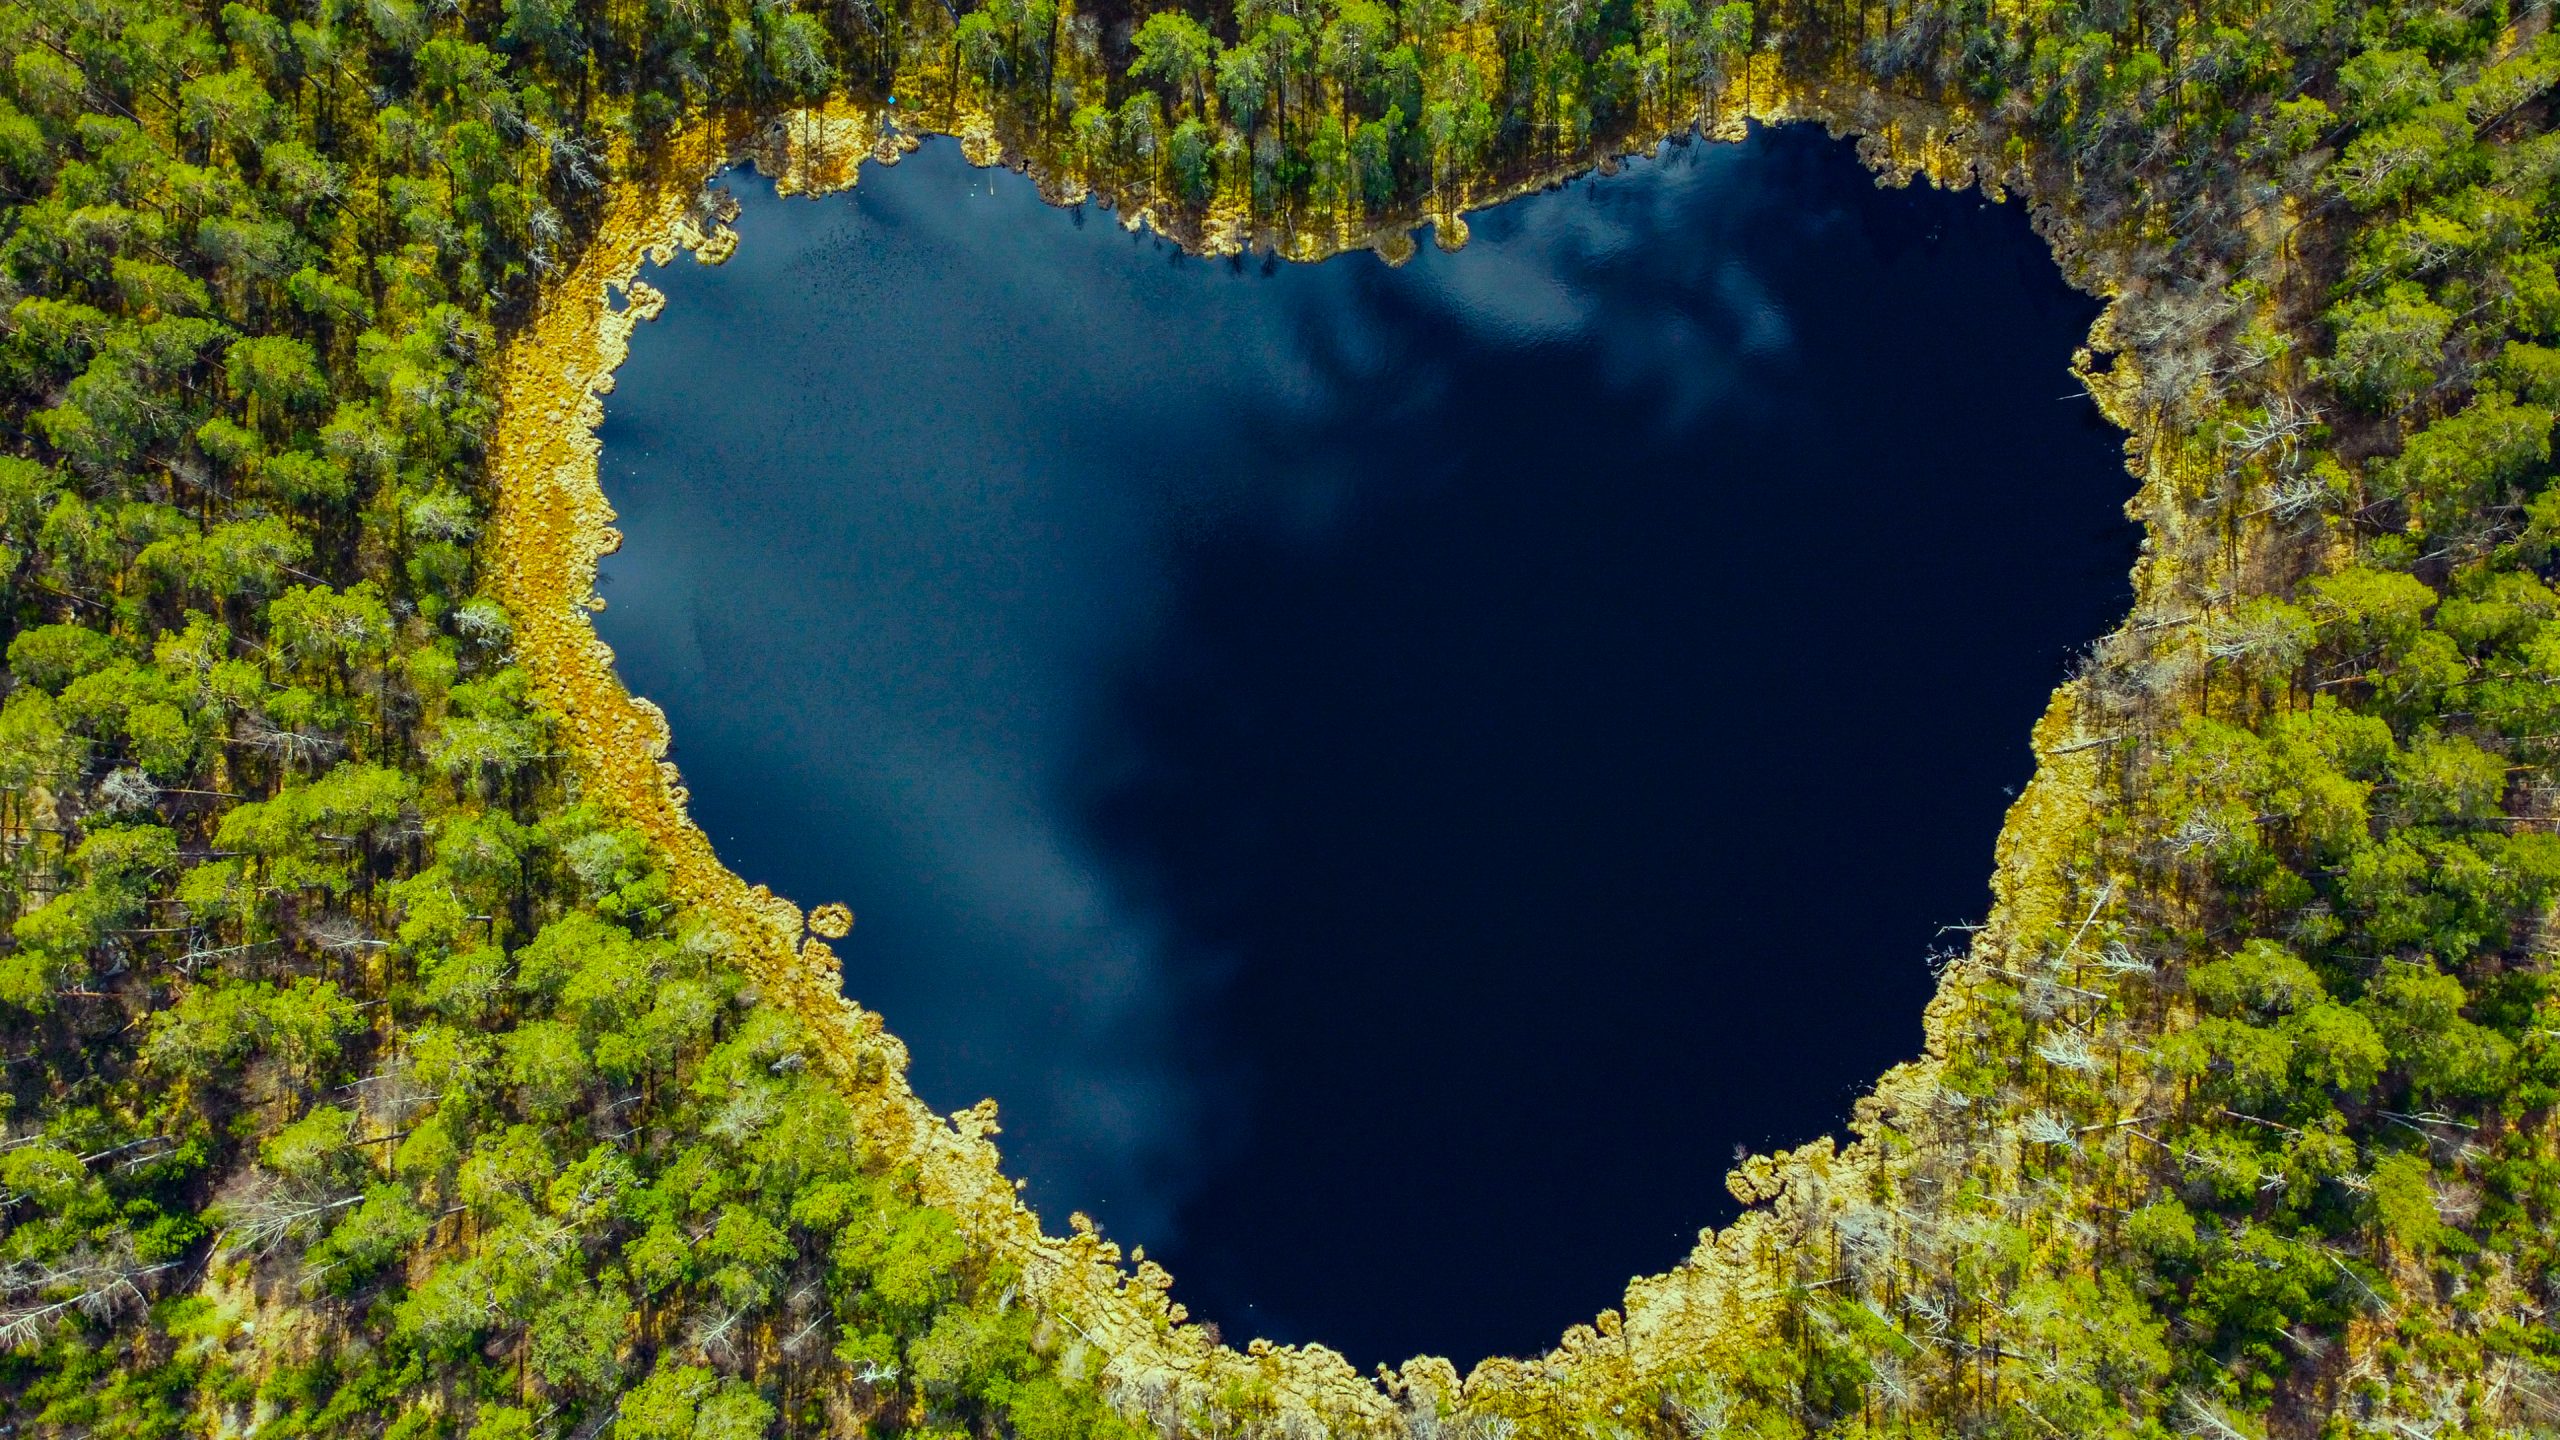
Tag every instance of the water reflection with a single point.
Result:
(1387, 775)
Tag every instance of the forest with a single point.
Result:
(365, 1070)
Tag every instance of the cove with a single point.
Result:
(1388, 776)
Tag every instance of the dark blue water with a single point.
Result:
(1388, 776)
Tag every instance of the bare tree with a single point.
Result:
(37, 1295)
(260, 1210)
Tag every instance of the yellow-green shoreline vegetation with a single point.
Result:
(553, 523)
(385, 1054)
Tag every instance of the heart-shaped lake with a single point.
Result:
(1387, 775)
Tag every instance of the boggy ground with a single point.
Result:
(1712, 1314)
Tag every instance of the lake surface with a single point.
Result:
(1387, 775)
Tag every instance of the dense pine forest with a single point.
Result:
(363, 1072)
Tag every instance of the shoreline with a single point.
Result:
(553, 523)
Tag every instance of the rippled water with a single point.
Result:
(1388, 776)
